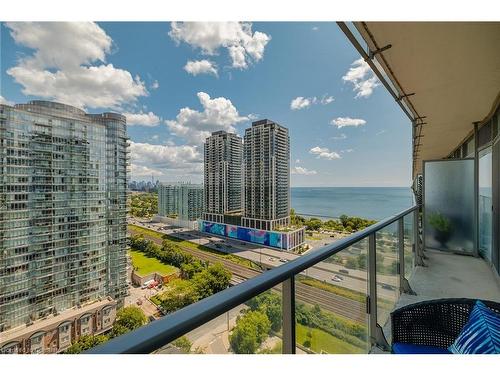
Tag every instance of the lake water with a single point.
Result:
(368, 202)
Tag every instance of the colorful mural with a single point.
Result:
(262, 237)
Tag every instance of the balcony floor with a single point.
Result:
(449, 275)
(452, 276)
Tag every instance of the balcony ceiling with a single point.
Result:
(453, 69)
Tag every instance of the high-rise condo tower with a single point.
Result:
(266, 165)
(223, 175)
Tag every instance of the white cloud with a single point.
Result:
(362, 78)
(201, 67)
(301, 102)
(242, 44)
(327, 99)
(303, 171)
(141, 118)
(297, 161)
(341, 122)
(5, 101)
(324, 153)
(381, 132)
(349, 150)
(340, 137)
(195, 126)
(68, 64)
(143, 171)
(315, 28)
(155, 85)
(155, 137)
(166, 157)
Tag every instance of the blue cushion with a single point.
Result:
(401, 348)
(481, 334)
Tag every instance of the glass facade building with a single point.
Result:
(63, 186)
(182, 201)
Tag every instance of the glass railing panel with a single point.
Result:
(330, 304)
(409, 256)
(254, 327)
(387, 271)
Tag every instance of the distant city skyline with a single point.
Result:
(191, 79)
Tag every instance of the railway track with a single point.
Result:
(336, 304)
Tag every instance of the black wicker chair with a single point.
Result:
(435, 323)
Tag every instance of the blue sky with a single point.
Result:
(287, 72)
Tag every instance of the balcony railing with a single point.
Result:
(351, 284)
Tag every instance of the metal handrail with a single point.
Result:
(153, 336)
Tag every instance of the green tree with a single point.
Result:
(250, 331)
(144, 205)
(85, 342)
(362, 261)
(296, 219)
(270, 304)
(344, 219)
(188, 270)
(393, 269)
(313, 224)
(183, 344)
(182, 294)
(380, 263)
(211, 280)
(128, 319)
(351, 263)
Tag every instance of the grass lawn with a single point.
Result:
(145, 265)
(178, 241)
(322, 341)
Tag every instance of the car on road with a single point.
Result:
(337, 278)
(388, 287)
(282, 260)
(271, 259)
(344, 271)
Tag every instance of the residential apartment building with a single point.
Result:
(266, 166)
(63, 184)
(168, 200)
(223, 157)
(183, 201)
